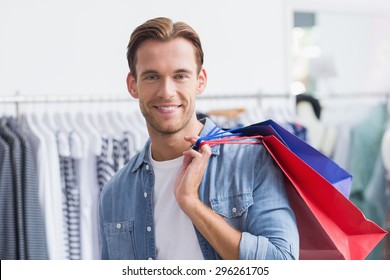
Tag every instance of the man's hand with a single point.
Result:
(224, 238)
(189, 178)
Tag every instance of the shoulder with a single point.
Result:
(244, 151)
(245, 159)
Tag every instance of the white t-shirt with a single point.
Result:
(175, 233)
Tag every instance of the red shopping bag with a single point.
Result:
(329, 225)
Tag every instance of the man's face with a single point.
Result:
(166, 84)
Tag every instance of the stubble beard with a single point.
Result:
(167, 129)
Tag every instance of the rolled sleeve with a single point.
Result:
(253, 247)
(271, 231)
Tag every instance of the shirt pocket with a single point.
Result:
(233, 208)
(120, 240)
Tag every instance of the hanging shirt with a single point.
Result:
(129, 145)
(117, 153)
(54, 198)
(89, 190)
(8, 233)
(105, 163)
(39, 145)
(16, 160)
(66, 180)
(35, 232)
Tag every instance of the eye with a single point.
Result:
(181, 76)
(151, 77)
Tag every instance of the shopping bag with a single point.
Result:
(329, 225)
(332, 172)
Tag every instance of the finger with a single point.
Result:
(206, 153)
(192, 153)
(205, 149)
(199, 159)
(187, 160)
(191, 139)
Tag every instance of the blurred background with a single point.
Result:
(320, 68)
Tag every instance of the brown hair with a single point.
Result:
(162, 29)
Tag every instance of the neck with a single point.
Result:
(171, 146)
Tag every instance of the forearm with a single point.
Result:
(222, 237)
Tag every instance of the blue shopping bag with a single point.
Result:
(322, 164)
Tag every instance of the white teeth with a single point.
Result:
(167, 107)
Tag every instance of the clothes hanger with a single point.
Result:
(95, 138)
(47, 117)
(49, 176)
(99, 120)
(115, 123)
(60, 120)
(53, 122)
(138, 128)
(77, 136)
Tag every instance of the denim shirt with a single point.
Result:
(241, 183)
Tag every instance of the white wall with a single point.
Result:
(78, 46)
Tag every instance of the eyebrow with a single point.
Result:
(184, 70)
(181, 70)
(147, 72)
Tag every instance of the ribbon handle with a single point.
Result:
(217, 136)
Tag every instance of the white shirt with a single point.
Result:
(175, 233)
(53, 194)
(89, 190)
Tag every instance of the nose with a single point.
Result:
(167, 89)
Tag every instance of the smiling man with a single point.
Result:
(172, 202)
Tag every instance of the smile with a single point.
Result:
(167, 109)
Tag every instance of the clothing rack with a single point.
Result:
(116, 98)
(17, 98)
(24, 99)
(385, 96)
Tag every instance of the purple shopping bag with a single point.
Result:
(322, 164)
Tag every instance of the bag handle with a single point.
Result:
(217, 136)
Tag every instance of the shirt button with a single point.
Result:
(145, 194)
(118, 225)
(149, 229)
(234, 209)
(147, 167)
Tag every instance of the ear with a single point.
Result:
(132, 85)
(202, 81)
